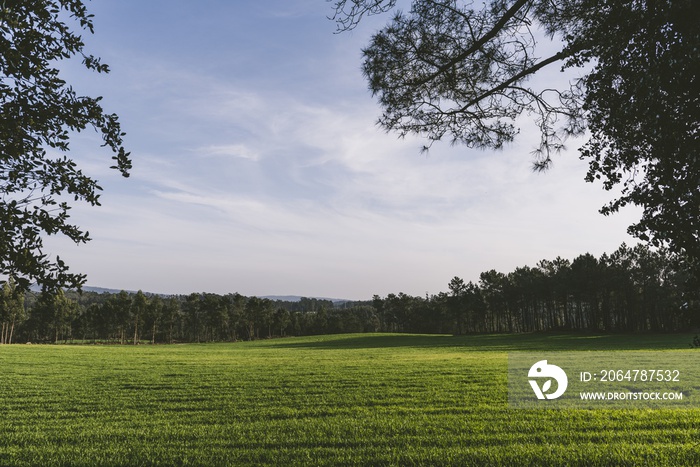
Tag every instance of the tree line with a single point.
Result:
(634, 289)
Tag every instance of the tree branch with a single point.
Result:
(478, 44)
(528, 71)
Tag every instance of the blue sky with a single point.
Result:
(258, 167)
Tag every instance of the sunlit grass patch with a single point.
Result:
(330, 400)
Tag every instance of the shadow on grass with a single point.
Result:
(495, 342)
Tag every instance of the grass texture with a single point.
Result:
(331, 400)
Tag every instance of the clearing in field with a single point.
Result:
(332, 400)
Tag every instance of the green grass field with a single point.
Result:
(330, 400)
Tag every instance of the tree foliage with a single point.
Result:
(11, 311)
(637, 289)
(450, 69)
(643, 111)
(38, 113)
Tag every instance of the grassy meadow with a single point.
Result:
(331, 400)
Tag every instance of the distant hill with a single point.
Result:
(283, 298)
(100, 290)
(104, 290)
(297, 298)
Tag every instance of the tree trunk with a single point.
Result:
(12, 330)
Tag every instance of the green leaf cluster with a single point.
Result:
(38, 113)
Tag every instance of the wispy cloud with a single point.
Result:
(241, 151)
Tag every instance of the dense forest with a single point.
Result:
(634, 289)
